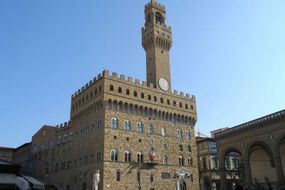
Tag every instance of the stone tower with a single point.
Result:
(157, 41)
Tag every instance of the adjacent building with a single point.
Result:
(6, 153)
(253, 153)
(209, 171)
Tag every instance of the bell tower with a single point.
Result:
(157, 41)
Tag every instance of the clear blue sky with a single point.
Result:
(230, 54)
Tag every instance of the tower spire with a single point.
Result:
(157, 41)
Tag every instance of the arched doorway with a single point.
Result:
(84, 186)
(233, 169)
(262, 164)
(282, 154)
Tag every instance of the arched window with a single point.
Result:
(118, 175)
(139, 127)
(150, 130)
(180, 147)
(158, 18)
(190, 161)
(188, 136)
(111, 88)
(115, 123)
(127, 125)
(155, 98)
(140, 157)
(149, 97)
(127, 156)
(161, 100)
(114, 155)
(179, 134)
(163, 131)
(181, 160)
(120, 90)
(128, 92)
(142, 95)
(135, 94)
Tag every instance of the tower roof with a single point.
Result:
(155, 4)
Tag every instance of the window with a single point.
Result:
(149, 97)
(180, 105)
(158, 18)
(142, 95)
(204, 163)
(165, 159)
(140, 157)
(98, 156)
(186, 106)
(188, 135)
(99, 123)
(192, 107)
(161, 100)
(163, 131)
(151, 178)
(181, 160)
(120, 90)
(179, 134)
(150, 130)
(118, 175)
(127, 156)
(189, 148)
(190, 161)
(135, 94)
(111, 88)
(95, 92)
(139, 127)
(174, 103)
(138, 176)
(127, 125)
(114, 155)
(155, 98)
(128, 92)
(115, 123)
(180, 147)
(168, 102)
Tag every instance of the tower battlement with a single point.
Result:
(130, 80)
(154, 3)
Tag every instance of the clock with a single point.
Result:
(163, 84)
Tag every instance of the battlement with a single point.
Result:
(87, 85)
(154, 3)
(162, 25)
(64, 125)
(131, 81)
(139, 83)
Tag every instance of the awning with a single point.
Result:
(15, 180)
(8, 178)
(36, 183)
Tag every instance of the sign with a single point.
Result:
(165, 175)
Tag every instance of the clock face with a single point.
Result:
(163, 84)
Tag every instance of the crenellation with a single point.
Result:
(114, 75)
(122, 77)
(182, 94)
(130, 79)
(144, 83)
(137, 82)
(105, 73)
(175, 92)
(187, 95)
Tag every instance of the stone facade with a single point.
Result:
(23, 156)
(6, 153)
(209, 172)
(137, 134)
(256, 149)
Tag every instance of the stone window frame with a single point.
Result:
(179, 134)
(139, 127)
(163, 131)
(188, 136)
(127, 125)
(114, 123)
(140, 157)
(150, 129)
(127, 155)
(190, 161)
(114, 155)
(181, 160)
